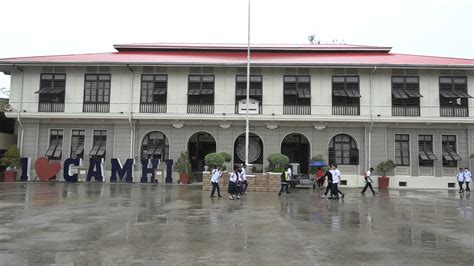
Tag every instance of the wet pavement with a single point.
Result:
(95, 224)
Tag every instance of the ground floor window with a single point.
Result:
(99, 144)
(155, 146)
(55, 148)
(402, 149)
(77, 143)
(343, 150)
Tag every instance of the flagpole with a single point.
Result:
(248, 90)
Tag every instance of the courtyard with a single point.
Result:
(103, 223)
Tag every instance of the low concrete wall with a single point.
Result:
(258, 182)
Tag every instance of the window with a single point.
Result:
(425, 150)
(99, 143)
(405, 96)
(450, 156)
(453, 98)
(54, 151)
(201, 89)
(255, 88)
(77, 144)
(155, 146)
(296, 90)
(343, 150)
(345, 95)
(97, 88)
(51, 92)
(154, 89)
(402, 149)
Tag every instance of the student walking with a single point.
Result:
(467, 178)
(319, 179)
(215, 175)
(460, 178)
(233, 179)
(243, 177)
(336, 178)
(368, 182)
(284, 180)
(328, 174)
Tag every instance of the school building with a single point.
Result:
(354, 105)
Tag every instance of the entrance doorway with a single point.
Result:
(199, 145)
(296, 147)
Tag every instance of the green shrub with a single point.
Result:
(11, 159)
(183, 166)
(277, 162)
(385, 167)
(213, 159)
(227, 156)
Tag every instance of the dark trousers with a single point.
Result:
(460, 186)
(467, 187)
(284, 187)
(328, 188)
(335, 190)
(214, 186)
(244, 186)
(368, 185)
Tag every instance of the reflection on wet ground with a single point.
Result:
(96, 223)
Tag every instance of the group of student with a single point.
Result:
(237, 182)
(464, 176)
(334, 177)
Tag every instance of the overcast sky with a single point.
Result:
(46, 27)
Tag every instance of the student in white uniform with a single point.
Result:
(467, 178)
(368, 182)
(215, 175)
(290, 175)
(336, 179)
(233, 179)
(243, 177)
(460, 178)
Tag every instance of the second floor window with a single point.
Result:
(77, 144)
(453, 98)
(55, 148)
(296, 90)
(201, 89)
(450, 156)
(345, 95)
(51, 92)
(405, 96)
(99, 143)
(97, 88)
(154, 89)
(402, 149)
(425, 150)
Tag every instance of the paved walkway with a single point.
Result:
(93, 223)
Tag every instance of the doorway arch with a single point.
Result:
(199, 145)
(296, 147)
(155, 145)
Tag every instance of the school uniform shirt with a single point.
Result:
(467, 176)
(234, 177)
(289, 173)
(243, 175)
(215, 174)
(367, 177)
(336, 176)
(460, 176)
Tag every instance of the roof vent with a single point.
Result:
(47, 69)
(104, 69)
(147, 69)
(59, 69)
(91, 69)
(290, 71)
(303, 71)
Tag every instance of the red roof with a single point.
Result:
(271, 55)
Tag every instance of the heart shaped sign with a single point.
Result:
(45, 170)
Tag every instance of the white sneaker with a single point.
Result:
(238, 197)
(231, 198)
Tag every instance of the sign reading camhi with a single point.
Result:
(46, 170)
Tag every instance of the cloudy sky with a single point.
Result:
(427, 27)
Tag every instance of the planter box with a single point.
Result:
(383, 182)
(10, 176)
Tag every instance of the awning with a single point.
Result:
(291, 92)
(304, 93)
(351, 93)
(399, 94)
(454, 94)
(413, 94)
(427, 155)
(159, 91)
(450, 155)
(50, 90)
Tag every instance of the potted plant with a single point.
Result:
(183, 166)
(11, 160)
(383, 168)
(277, 162)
